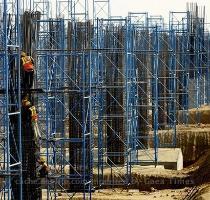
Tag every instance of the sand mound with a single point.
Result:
(203, 194)
(195, 115)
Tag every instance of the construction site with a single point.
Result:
(103, 107)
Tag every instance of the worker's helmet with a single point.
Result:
(41, 160)
(26, 103)
(23, 54)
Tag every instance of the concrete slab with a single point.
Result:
(170, 158)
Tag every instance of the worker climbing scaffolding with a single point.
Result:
(42, 169)
(27, 65)
(27, 68)
(34, 118)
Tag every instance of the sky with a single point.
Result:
(154, 7)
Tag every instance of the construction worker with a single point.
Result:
(34, 118)
(42, 167)
(25, 102)
(27, 64)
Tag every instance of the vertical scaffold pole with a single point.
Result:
(10, 103)
(172, 85)
(155, 67)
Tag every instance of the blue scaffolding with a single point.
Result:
(116, 100)
(179, 23)
(198, 60)
(51, 106)
(65, 107)
(104, 89)
(101, 9)
(10, 102)
(207, 47)
(154, 87)
(145, 51)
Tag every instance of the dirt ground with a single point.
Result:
(203, 193)
(119, 194)
(160, 189)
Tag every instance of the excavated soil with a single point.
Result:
(194, 114)
(203, 193)
(192, 139)
(158, 183)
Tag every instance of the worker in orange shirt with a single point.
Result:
(34, 118)
(27, 64)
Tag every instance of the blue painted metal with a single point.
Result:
(172, 102)
(10, 103)
(106, 43)
(144, 46)
(57, 79)
(179, 22)
(155, 69)
(208, 66)
(52, 105)
(42, 6)
(101, 9)
(143, 36)
(79, 10)
(131, 120)
(63, 9)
